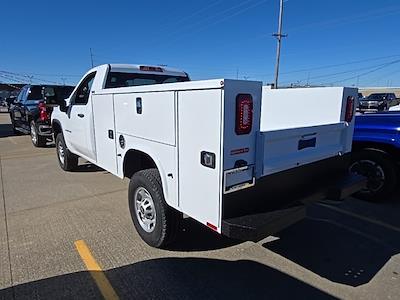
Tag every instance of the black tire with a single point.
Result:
(36, 138)
(15, 131)
(70, 161)
(373, 164)
(167, 219)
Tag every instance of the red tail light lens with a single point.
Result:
(43, 114)
(244, 114)
(349, 109)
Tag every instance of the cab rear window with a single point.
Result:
(119, 79)
(35, 93)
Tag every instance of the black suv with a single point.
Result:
(377, 101)
(30, 115)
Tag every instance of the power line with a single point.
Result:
(364, 16)
(10, 85)
(31, 78)
(209, 19)
(366, 73)
(340, 73)
(340, 64)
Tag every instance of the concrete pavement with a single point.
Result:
(348, 251)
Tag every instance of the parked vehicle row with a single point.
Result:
(377, 102)
(30, 114)
(7, 101)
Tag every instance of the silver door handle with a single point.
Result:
(81, 115)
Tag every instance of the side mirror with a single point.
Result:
(51, 98)
(63, 106)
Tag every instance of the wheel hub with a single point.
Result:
(33, 134)
(373, 171)
(61, 154)
(145, 209)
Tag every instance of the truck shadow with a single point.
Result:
(174, 278)
(338, 246)
(194, 236)
(6, 130)
(88, 167)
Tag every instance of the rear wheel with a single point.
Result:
(67, 160)
(37, 139)
(156, 222)
(15, 131)
(381, 172)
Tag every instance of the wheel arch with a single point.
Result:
(57, 128)
(136, 160)
(388, 149)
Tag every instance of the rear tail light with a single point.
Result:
(244, 114)
(349, 109)
(43, 114)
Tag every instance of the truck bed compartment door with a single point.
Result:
(199, 153)
(105, 139)
(281, 150)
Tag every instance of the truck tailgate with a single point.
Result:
(280, 150)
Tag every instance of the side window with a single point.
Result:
(82, 94)
(21, 94)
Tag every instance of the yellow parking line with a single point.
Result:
(96, 272)
(364, 218)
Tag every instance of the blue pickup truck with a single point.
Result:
(376, 153)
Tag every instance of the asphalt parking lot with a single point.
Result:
(70, 236)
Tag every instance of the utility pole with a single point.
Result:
(30, 78)
(279, 37)
(91, 57)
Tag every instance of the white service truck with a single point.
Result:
(241, 159)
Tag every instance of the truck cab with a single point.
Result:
(241, 159)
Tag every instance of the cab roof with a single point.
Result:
(148, 69)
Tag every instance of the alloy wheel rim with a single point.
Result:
(145, 209)
(33, 134)
(373, 171)
(61, 154)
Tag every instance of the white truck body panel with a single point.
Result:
(199, 130)
(312, 127)
(104, 121)
(177, 122)
(300, 107)
(157, 121)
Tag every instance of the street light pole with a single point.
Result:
(279, 37)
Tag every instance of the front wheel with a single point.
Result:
(156, 222)
(380, 171)
(36, 138)
(67, 160)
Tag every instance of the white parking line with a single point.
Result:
(360, 217)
